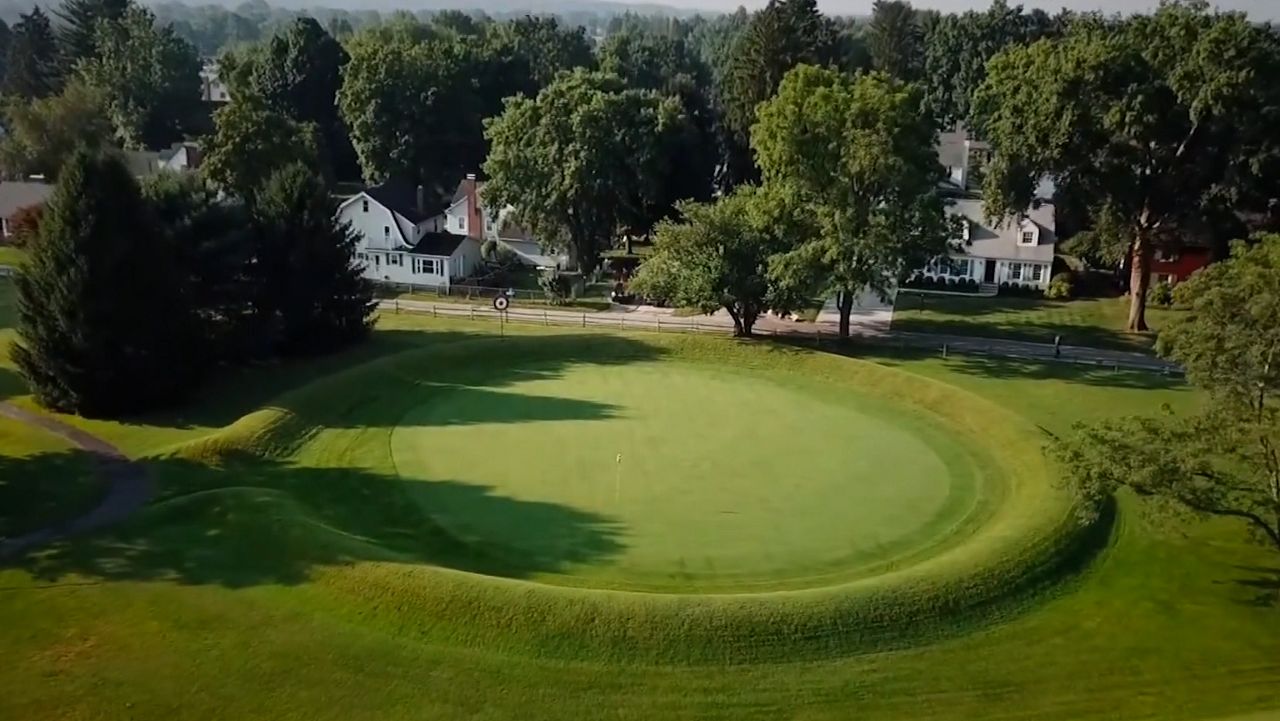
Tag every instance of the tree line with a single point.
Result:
(133, 294)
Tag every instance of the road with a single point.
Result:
(871, 324)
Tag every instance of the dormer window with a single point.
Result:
(364, 206)
(1028, 238)
(1028, 233)
(966, 229)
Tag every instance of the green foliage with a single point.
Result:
(310, 296)
(1223, 460)
(31, 62)
(41, 134)
(250, 142)
(958, 46)
(894, 39)
(1160, 294)
(211, 243)
(859, 151)
(1061, 287)
(24, 225)
(78, 32)
(556, 286)
(546, 47)
(148, 76)
(93, 339)
(297, 73)
(578, 160)
(718, 255)
(499, 255)
(1156, 122)
(786, 33)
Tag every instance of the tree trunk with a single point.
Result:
(741, 329)
(627, 240)
(844, 302)
(1139, 281)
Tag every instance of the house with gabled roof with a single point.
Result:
(1017, 251)
(406, 237)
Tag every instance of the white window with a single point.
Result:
(364, 206)
(394, 259)
(1028, 237)
(386, 232)
(426, 266)
(1037, 273)
(462, 222)
(1015, 271)
(1163, 278)
(966, 230)
(1165, 256)
(957, 267)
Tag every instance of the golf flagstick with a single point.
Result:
(617, 480)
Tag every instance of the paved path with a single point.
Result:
(874, 329)
(130, 488)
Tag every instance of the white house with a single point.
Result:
(1019, 250)
(212, 89)
(403, 239)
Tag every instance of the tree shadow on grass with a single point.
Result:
(1265, 584)
(1011, 368)
(463, 359)
(11, 383)
(251, 521)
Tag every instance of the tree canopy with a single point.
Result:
(718, 255)
(578, 159)
(78, 35)
(1152, 123)
(250, 143)
(894, 39)
(43, 133)
(31, 64)
(861, 153)
(1223, 460)
(148, 76)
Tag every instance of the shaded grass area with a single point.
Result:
(1172, 622)
(39, 493)
(1096, 322)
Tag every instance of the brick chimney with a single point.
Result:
(475, 220)
(421, 199)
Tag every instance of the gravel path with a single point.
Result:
(129, 487)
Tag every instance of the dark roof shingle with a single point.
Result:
(439, 244)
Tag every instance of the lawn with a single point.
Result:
(10, 255)
(290, 570)
(1097, 322)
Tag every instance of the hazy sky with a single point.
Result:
(1258, 9)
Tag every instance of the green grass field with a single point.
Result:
(1097, 322)
(292, 569)
(10, 255)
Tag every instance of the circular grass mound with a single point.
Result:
(662, 475)
(928, 510)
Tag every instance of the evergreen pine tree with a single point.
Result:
(78, 36)
(310, 296)
(102, 329)
(31, 64)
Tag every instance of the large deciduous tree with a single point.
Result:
(78, 35)
(149, 77)
(859, 150)
(578, 160)
(297, 74)
(31, 64)
(310, 296)
(43, 133)
(1153, 122)
(410, 109)
(783, 35)
(958, 47)
(1225, 459)
(251, 142)
(93, 339)
(894, 39)
(718, 256)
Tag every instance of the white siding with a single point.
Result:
(465, 259)
(377, 227)
(456, 218)
(402, 267)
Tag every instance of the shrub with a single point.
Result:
(23, 225)
(556, 285)
(1062, 287)
(951, 283)
(1160, 294)
(1005, 287)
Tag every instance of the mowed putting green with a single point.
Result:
(694, 478)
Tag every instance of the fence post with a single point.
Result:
(473, 312)
(584, 320)
(817, 337)
(659, 324)
(433, 310)
(545, 319)
(397, 306)
(944, 350)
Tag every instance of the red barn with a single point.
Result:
(1173, 266)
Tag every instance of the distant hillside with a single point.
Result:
(494, 7)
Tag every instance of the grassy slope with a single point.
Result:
(33, 497)
(1169, 624)
(10, 255)
(1097, 322)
